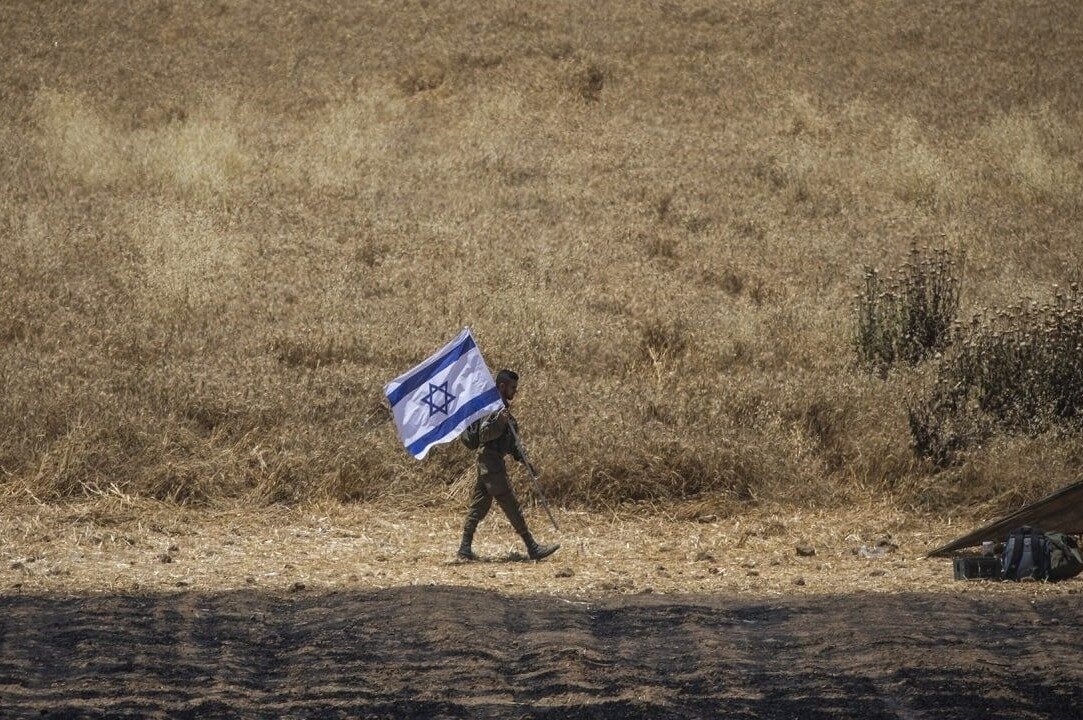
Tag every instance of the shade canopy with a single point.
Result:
(1061, 512)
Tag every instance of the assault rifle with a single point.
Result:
(533, 474)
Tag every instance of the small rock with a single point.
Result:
(753, 573)
(877, 573)
(706, 518)
(750, 564)
(647, 590)
(183, 583)
(799, 581)
(805, 551)
(165, 557)
(871, 553)
(704, 556)
(297, 586)
(776, 563)
(564, 573)
(887, 543)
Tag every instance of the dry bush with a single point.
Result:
(908, 315)
(587, 80)
(1017, 371)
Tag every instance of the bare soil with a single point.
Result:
(113, 610)
(457, 652)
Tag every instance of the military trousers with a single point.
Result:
(489, 487)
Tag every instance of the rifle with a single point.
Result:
(533, 474)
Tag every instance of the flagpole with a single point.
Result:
(533, 475)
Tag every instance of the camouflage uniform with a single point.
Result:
(496, 442)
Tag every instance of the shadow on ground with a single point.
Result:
(445, 652)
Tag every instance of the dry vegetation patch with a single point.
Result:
(222, 235)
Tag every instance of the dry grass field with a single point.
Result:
(225, 225)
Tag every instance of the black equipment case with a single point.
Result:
(979, 567)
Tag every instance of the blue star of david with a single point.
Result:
(430, 399)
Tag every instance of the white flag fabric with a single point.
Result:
(435, 401)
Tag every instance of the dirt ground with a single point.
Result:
(112, 610)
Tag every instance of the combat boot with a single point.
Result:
(465, 552)
(536, 551)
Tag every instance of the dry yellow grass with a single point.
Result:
(120, 545)
(224, 228)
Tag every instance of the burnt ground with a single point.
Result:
(447, 652)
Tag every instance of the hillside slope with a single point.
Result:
(225, 226)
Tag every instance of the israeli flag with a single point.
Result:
(435, 401)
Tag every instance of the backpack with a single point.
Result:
(471, 436)
(1031, 553)
(1065, 560)
(1026, 555)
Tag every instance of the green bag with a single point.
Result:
(1065, 560)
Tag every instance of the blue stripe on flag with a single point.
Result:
(490, 396)
(423, 375)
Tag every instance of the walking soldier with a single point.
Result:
(497, 436)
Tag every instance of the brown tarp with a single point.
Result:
(1061, 512)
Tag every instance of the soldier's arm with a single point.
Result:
(515, 448)
(492, 427)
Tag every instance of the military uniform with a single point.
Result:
(496, 441)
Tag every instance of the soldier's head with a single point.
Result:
(507, 381)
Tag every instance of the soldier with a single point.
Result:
(496, 441)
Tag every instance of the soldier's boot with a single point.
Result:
(536, 551)
(465, 551)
